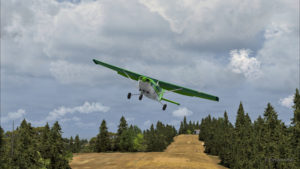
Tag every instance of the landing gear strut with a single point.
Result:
(141, 97)
(129, 96)
(164, 107)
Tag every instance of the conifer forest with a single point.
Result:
(265, 142)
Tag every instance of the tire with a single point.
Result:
(164, 107)
(141, 97)
(129, 96)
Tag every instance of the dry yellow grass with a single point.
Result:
(186, 152)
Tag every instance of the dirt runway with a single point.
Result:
(186, 152)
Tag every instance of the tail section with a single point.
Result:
(170, 101)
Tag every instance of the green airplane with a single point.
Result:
(155, 89)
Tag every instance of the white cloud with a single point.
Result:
(86, 108)
(181, 112)
(69, 73)
(14, 115)
(241, 63)
(287, 102)
(214, 21)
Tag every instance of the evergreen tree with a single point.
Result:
(93, 144)
(126, 140)
(241, 138)
(71, 145)
(226, 150)
(45, 146)
(77, 144)
(184, 130)
(25, 153)
(295, 139)
(3, 161)
(103, 141)
(150, 139)
(121, 128)
(240, 117)
(58, 153)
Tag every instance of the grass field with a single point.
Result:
(186, 152)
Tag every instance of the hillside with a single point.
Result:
(186, 152)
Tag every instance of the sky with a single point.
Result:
(241, 51)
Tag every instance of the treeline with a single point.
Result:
(30, 147)
(265, 143)
(44, 147)
(188, 128)
(132, 139)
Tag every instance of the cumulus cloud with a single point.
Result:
(70, 73)
(86, 108)
(181, 112)
(214, 22)
(287, 102)
(241, 63)
(14, 115)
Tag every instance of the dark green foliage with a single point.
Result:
(58, 153)
(266, 143)
(121, 128)
(25, 154)
(103, 141)
(45, 145)
(295, 139)
(158, 139)
(71, 145)
(188, 128)
(77, 144)
(126, 139)
(3, 159)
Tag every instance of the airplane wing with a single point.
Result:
(123, 72)
(185, 91)
(162, 84)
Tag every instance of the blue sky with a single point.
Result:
(238, 50)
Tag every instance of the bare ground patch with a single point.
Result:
(186, 152)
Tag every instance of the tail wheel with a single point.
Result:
(129, 96)
(164, 107)
(141, 97)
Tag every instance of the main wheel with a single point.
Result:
(164, 107)
(129, 96)
(141, 97)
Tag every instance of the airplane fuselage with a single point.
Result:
(150, 89)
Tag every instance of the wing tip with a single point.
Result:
(217, 99)
(95, 61)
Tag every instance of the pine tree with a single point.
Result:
(240, 117)
(259, 131)
(239, 137)
(71, 145)
(45, 146)
(150, 139)
(25, 154)
(3, 161)
(295, 140)
(226, 150)
(58, 153)
(126, 140)
(274, 138)
(77, 145)
(121, 128)
(103, 141)
(184, 130)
